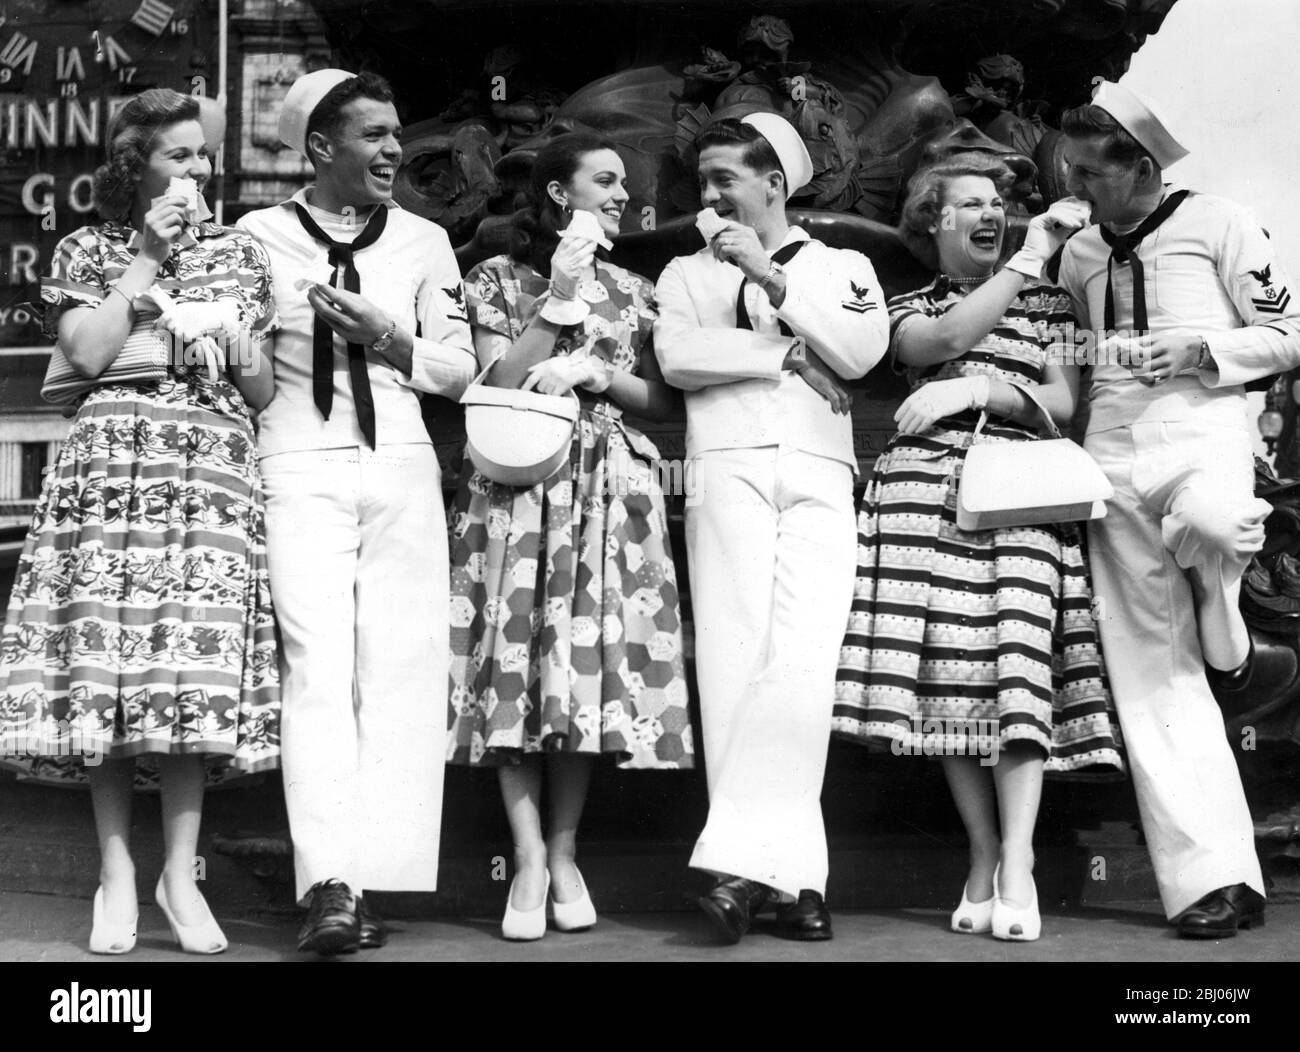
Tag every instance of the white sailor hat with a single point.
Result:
(789, 147)
(303, 97)
(1140, 119)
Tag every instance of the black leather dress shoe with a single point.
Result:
(732, 903)
(1219, 914)
(331, 926)
(374, 933)
(806, 919)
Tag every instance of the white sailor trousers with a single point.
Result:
(357, 546)
(1167, 562)
(772, 548)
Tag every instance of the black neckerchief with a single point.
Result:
(322, 378)
(1123, 249)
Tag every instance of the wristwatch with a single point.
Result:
(385, 338)
(1203, 359)
(774, 270)
(798, 354)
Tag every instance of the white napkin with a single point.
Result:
(585, 224)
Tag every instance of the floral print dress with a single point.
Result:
(140, 621)
(566, 633)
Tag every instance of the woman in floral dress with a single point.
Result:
(977, 647)
(566, 632)
(140, 624)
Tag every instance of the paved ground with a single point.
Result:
(55, 928)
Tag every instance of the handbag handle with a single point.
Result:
(1025, 390)
(488, 368)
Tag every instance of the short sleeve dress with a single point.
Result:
(566, 632)
(140, 622)
(968, 641)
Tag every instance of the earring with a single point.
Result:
(568, 209)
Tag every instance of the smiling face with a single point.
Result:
(599, 186)
(736, 191)
(177, 151)
(972, 220)
(358, 161)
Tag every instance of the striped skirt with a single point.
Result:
(962, 643)
(140, 622)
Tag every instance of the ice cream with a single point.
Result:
(1072, 212)
(196, 209)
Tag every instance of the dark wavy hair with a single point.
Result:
(1119, 146)
(757, 154)
(535, 227)
(130, 138)
(928, 188)
(327, 117)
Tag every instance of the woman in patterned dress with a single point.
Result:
(978, 647)
(140, 624)
(566, 633)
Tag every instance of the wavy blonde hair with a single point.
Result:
(928, 188)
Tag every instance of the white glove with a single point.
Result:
(939, 399)
(561, 374)
(1048, 232)
(569, 262)
(189, 321)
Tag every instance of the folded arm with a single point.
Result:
(693, 356)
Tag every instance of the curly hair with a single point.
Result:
(536, 225)
(926, 193)
(130, 137)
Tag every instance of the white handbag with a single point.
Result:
(142, 359)
(145, 357)
(518, 438)
(1029, 483)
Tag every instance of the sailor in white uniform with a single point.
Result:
(1193, 285)
(759, 328)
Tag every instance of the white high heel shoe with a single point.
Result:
(577, 915)
(525, 925)
(111, 938)
(205, 937)
(1014, 923)
(973, 918)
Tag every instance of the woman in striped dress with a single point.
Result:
(978, 647)
(140, 625)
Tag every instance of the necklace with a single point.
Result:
(965, 283)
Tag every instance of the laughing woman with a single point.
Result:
(566, 633)
(987, 635)
(140, 625)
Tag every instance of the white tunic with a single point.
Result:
(770, 541)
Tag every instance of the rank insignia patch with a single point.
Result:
(457, 296)
(1273, 299)
(859, 304)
